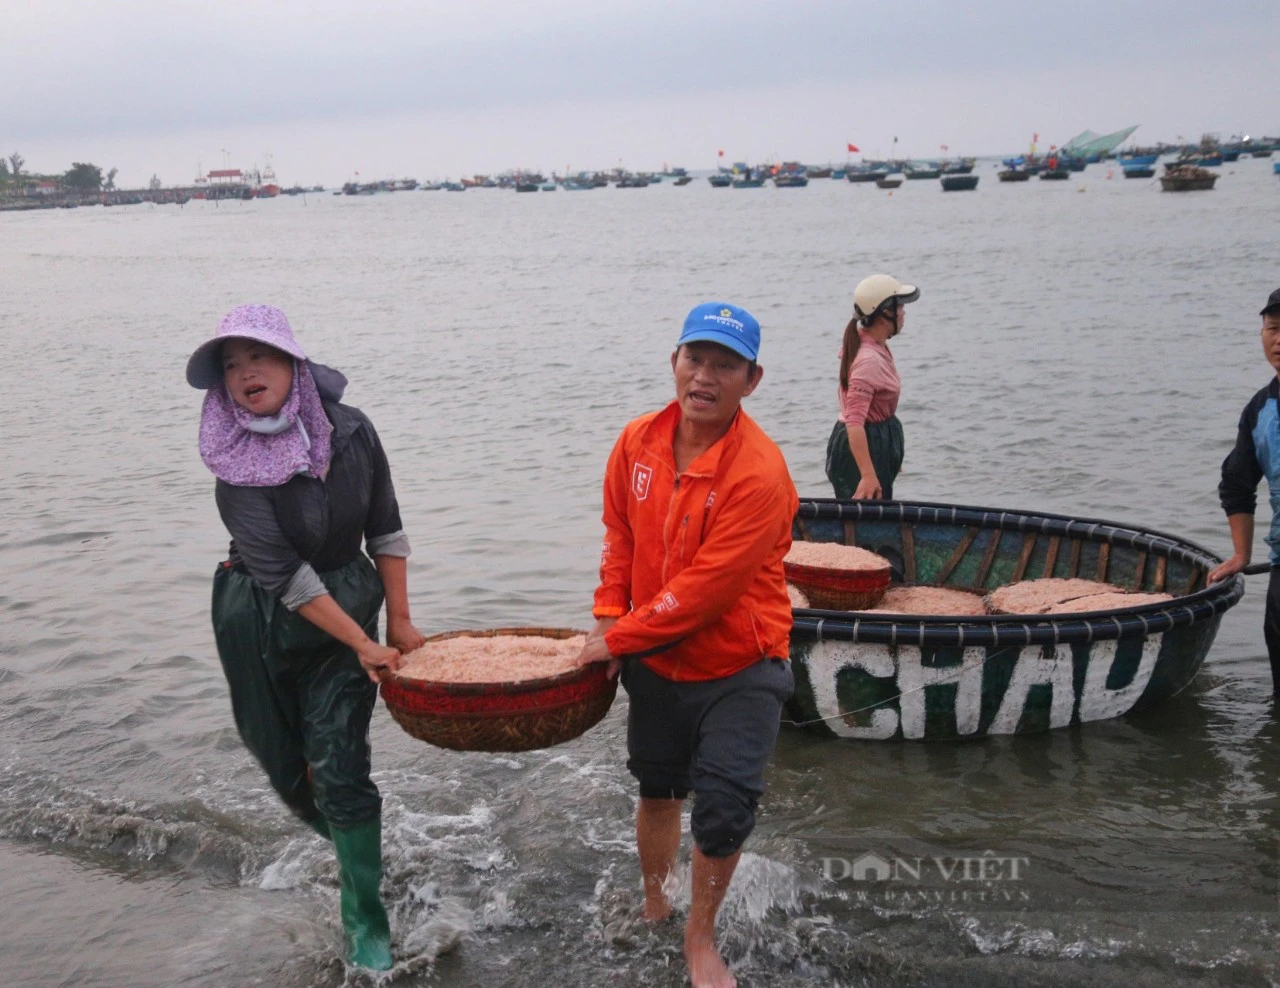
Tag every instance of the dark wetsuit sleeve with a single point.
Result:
(384, 533)
(250, 517)
(1241, 471)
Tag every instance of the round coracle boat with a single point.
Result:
(883, 676)
(516, 715)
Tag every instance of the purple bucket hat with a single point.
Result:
(264, 323)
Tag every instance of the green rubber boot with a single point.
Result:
(360, 875)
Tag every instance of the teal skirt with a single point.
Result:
(884, 442)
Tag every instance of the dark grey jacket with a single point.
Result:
(284, 536)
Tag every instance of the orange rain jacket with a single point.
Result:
(692, 564)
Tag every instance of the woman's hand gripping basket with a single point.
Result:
(505, 689)
(837, 577)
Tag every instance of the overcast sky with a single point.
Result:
(389, 88)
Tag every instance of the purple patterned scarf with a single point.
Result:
(266, 450)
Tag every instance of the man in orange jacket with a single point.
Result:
(698, 506)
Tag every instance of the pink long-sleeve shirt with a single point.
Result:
(874, 385)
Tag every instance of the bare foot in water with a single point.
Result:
(656, 908)
(706, 968)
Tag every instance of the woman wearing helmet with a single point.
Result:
(864, 453)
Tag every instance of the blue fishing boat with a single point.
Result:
(748, 183)
(1275, 167)
(1021, 168)
(839, 173)
(1209, 161)
(863, 675)
(1138, 171)
(791, 181)
(720, 181)
(959, 183)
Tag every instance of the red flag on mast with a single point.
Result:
(719, 154)
(853, 148)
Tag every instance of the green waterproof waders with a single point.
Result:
(301, 700)
(884, 443)
(302, 703)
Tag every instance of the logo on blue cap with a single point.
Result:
(728, 325)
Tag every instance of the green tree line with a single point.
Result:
(80, 177)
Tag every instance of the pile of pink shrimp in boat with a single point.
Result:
(1045, 596)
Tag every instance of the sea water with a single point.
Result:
(1081, 347)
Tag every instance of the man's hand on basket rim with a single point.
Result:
(595, 650)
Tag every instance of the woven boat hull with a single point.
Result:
(879, 677)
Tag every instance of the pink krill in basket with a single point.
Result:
(833, 555)
(495, 659)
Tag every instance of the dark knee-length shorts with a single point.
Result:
(704, 735)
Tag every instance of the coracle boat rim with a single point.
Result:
(1016, 629)
(512, 686)
(1094, 529)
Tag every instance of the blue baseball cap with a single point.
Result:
(728, 325)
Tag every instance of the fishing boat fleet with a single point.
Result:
(1186, 166)
(1177, 167)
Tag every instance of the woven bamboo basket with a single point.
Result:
(509, 716)
(839, 589)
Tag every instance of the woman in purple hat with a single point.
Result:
(302, 479)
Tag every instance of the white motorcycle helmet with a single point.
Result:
(877, 291)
